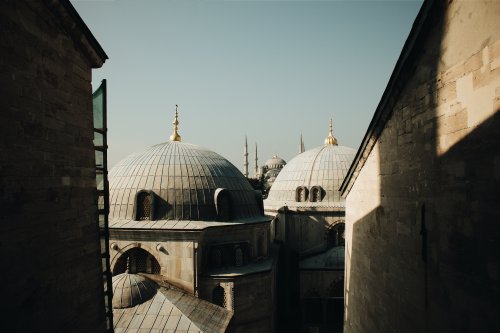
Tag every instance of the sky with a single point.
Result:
(267, 70)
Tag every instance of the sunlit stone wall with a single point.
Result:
(423, 215)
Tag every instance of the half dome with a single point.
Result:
(323, 168)
(184, 180)
(131, 289)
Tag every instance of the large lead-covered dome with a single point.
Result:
(313, 177)
(180, 181)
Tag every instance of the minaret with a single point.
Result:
(301, 146)
(256, 165)
(330, 139)
(175, 136)
(245, 158)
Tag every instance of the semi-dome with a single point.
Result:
(313, 177)
(180, 181)
(131, 289)
(275, 162)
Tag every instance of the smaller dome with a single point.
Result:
(275, 162)
(131, 289)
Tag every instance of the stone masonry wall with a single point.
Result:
(176, 259)
(49, 251)
(423, 216)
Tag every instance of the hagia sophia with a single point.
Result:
(399, 234)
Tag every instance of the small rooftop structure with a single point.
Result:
(131, 289)
(165, 310)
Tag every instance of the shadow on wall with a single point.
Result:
(426, 258)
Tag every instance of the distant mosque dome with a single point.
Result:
(275, 162)
(181, 181)
(313, 177)
(131, 289)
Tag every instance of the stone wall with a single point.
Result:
(305, 232)
(49, 250)
(318, 283)
(256, 235)
(175, 256)
(250, 296)
(254, 303)
(422, 216)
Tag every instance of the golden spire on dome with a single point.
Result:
(330, 139)
(175, 136)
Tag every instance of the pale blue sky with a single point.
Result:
(267, 69)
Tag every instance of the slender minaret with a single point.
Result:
(330, 139)
(245, 158)
(256, 165)
(301, 146)
(175, 135)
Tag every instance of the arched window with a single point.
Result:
(219, 296)
(140, 261)
(155, 266)
(238, 257)
(223, 204)
(144, 205)
(316, 194)
(301, 194)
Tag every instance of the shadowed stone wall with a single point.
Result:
(422, 216)
(49, 251)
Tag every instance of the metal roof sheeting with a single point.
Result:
(184, 178)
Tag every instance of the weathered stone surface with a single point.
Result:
(422, 217)
(49, 248)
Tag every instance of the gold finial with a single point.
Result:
(175, 136)
(330, 139)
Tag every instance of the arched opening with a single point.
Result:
(219, 296)
(144, 205)
(139, 261)
(223, 204)
(316, 194)
(301, 194)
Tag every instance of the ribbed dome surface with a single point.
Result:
(131, 289)
(184, 178)
(324, 166)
